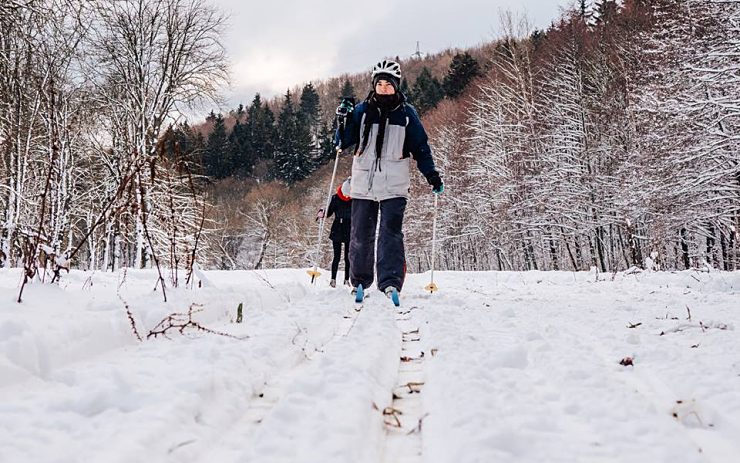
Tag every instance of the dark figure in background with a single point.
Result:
(340, 207)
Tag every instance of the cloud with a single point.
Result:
(276, 45)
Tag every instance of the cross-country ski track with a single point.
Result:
(496, 366)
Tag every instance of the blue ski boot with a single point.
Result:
(392, 293)
(359, 294)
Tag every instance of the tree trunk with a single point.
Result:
(711, 242)
(685, 249)
(600, 247)
(723, 245)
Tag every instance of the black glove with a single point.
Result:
(436, 182)
(345, 107)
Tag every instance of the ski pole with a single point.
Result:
(432, 287)
(344, 109)
(314, 272)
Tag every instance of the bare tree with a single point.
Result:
(85, 91)
(153, 59)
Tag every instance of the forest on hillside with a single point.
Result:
(608, 140)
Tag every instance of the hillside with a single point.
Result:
(585, 145)
(608, 140)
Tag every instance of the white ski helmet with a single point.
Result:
(387, 67)
(387, 70)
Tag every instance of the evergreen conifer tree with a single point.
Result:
(267, 130)
(463, 69)
(260, 130)
(310, 113)
(183, 143)
(241, 154)
(404, 88)
(347, 90)
(216, 158)
(197, 147)
(239, 113)
(185, 138)
(327, 141)
(427, 91)
(293, 150)
(309, 105)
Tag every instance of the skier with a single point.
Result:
(387, 133)
(341, 207)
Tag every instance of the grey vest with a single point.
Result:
(386, 177)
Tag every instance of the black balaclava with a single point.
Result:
(385, 103)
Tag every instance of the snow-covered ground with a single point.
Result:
(519, 367)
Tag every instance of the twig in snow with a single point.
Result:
(88, 282)
(182, 321)
(352, 325)
(293, 341)
(393, 412)
(411, 309)
(129, 314)
(701, 325)
(283, 296)
(264, 280)
(417, 428)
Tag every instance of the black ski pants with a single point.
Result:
(391, 260)
(337, 255)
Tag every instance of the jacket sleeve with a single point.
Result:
(332, 206)
(417, 143)
(351, 134)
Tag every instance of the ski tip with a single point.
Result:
(360, 294)
(395, 297)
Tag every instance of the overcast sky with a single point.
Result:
(274, 45)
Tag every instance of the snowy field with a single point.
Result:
(495, 367)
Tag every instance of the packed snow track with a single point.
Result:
(496, 366)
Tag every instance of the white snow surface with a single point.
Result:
(517, 367)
